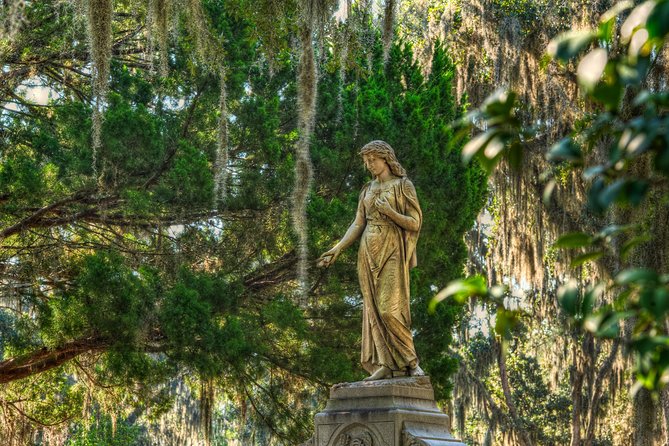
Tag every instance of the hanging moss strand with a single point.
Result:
(307, 91)
(221, 163)
(99, 18)
(161, 11)
(388, 25)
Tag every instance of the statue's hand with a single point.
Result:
(328, 258)
(383, 206)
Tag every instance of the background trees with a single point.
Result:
(601, 223)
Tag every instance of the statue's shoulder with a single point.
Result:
(364, 190)
(407, 185)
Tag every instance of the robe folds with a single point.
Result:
(387, 253)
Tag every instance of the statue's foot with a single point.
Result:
(416, 371)
(382, 372)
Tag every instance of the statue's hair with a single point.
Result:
(383, 150)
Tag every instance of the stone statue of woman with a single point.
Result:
(387, 221)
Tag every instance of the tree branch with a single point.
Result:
(37, 215)
(46, 359)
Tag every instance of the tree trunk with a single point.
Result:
(597, 390)
(576, 399)
(644, 418)
(523, 436)
(664, 402)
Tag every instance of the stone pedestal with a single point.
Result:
(387, 412)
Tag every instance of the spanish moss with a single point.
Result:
(306, 105)
(221, 162)
(388, 26)
(99, 19)
(12, 18)
(207, 48)
(159, 13)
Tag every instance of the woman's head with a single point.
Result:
(382, 149)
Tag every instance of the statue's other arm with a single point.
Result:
(411, 221)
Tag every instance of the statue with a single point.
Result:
(388, 221)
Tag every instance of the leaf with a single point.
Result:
(609, 327)
(590, 297)
(634, 143)
(461, 290)
(500, 103)
(623, 190)
(636, 275)
(573, 240)
(657, 23)
(614, 229)
(662, 159)
(591, 68)
(642, 98)
(594, 193)
(497, 292)
(615, 11)
(644, 344)
(568, 298)
(655, 301)
(506, 321)
(567, 45)
(476, 144)
(636, 19)
(633, 243)
(606, 323)
(565, 150)
(494, 148)
(585, 258)
(631, 74)
(593, 171)
(548, 192)
(608, 93)
(612, 192)
(515, 154)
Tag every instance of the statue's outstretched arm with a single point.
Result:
(352, 234)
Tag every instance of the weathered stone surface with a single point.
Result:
(389, 412)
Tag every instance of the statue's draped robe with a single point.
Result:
(386, 254)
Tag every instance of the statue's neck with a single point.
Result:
(385, 176)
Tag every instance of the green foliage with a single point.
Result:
(102, 431)
(543, 410)
(528, 13)
(394, 103)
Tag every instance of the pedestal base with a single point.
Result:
(387, 412)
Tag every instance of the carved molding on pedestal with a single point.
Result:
(410, 440)
(356, 435)
(309, 442)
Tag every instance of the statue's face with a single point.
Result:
(375, 164)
